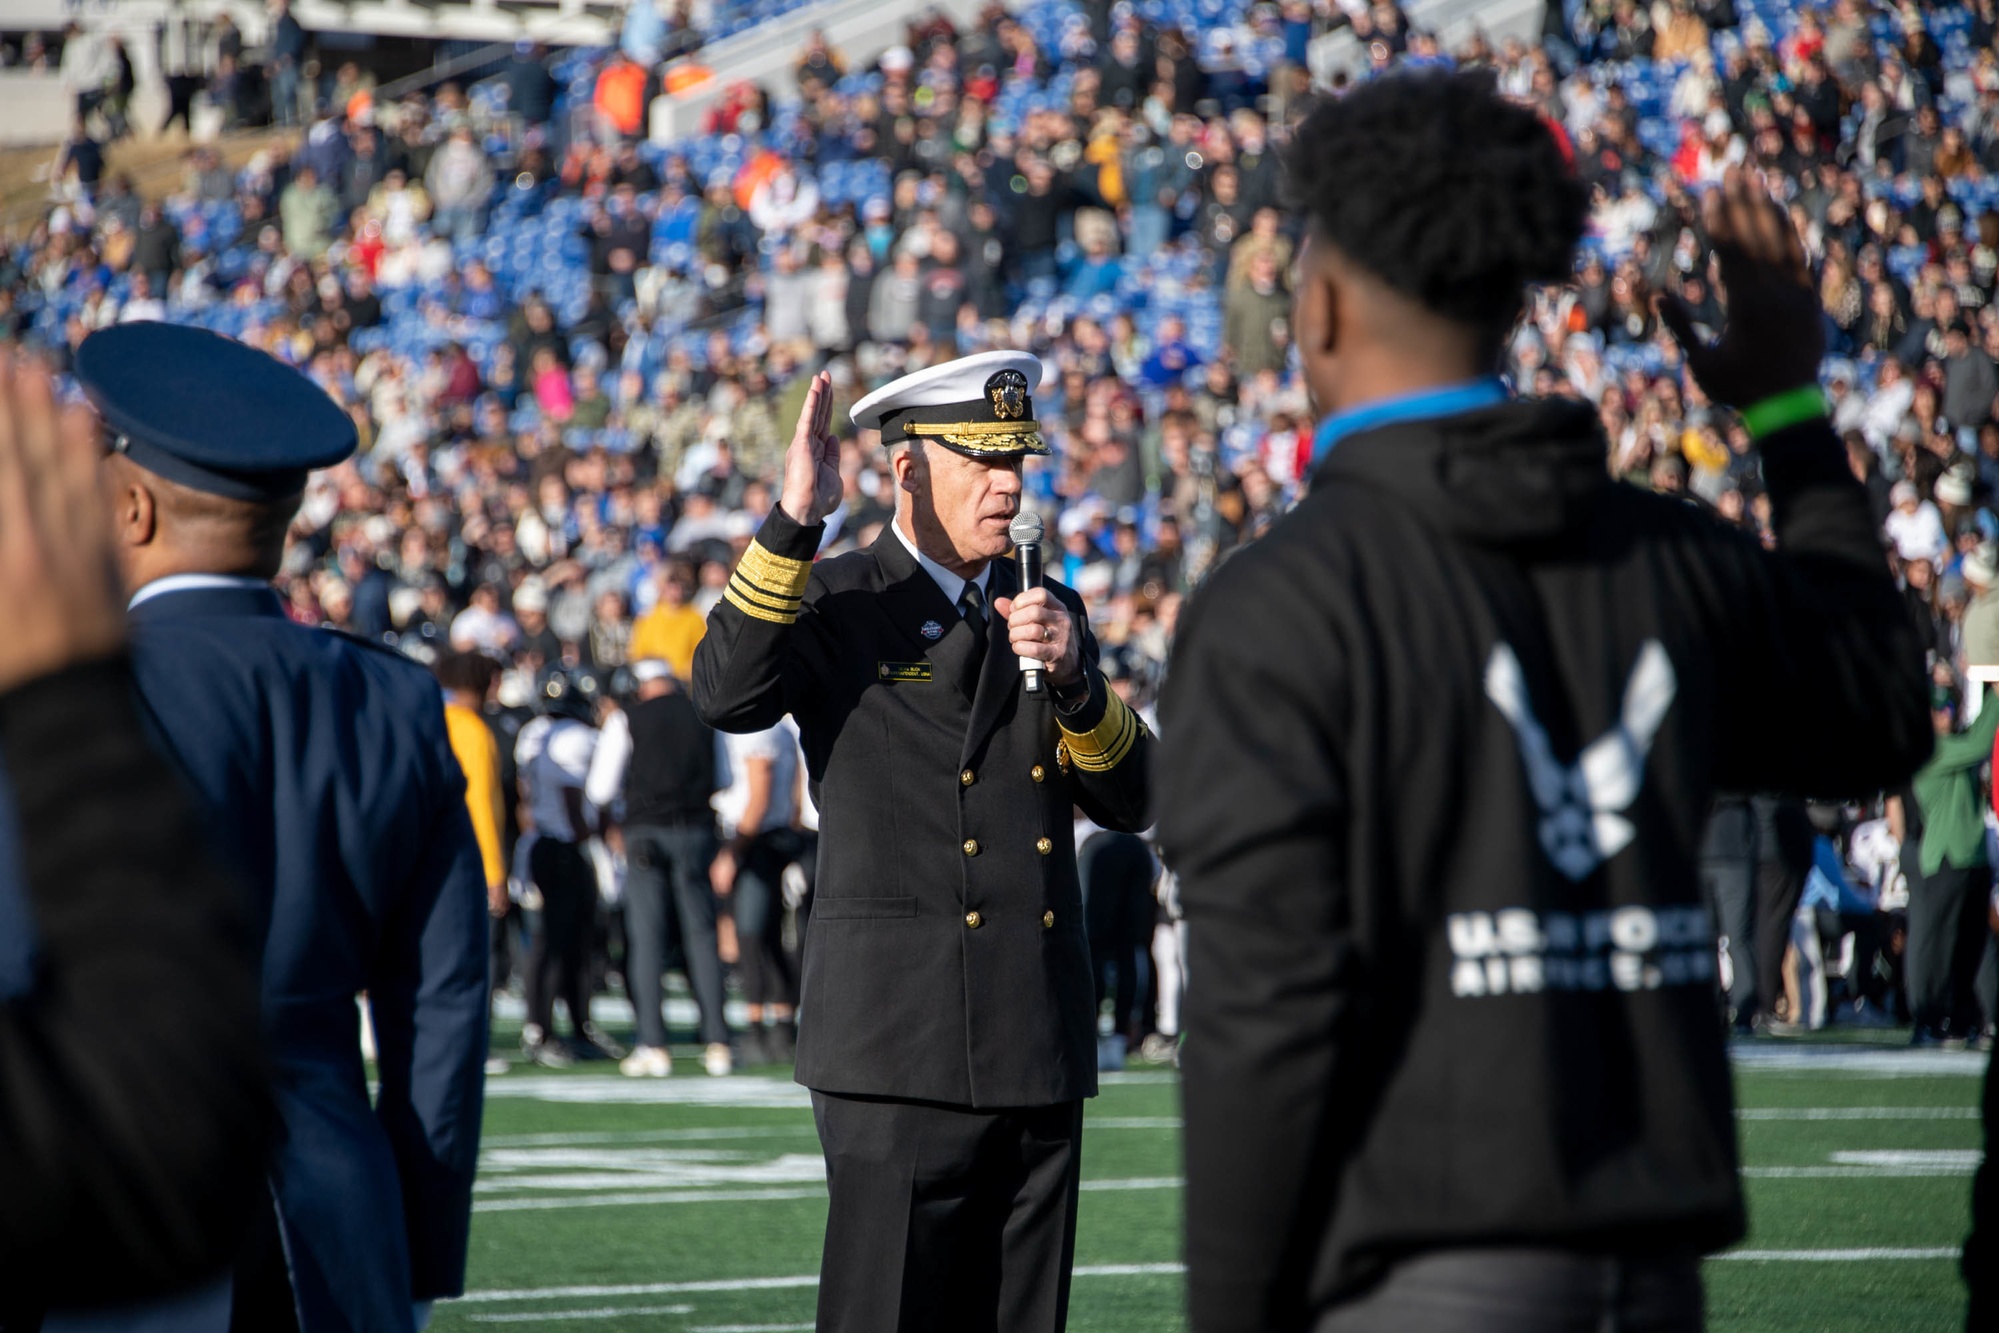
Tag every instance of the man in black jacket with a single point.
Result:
(949, 1028)
(669, 832)
(1438, 751)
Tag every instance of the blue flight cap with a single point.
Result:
(210, 413)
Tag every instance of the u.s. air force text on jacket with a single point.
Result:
(946, 959)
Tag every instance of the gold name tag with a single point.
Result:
(903, 671)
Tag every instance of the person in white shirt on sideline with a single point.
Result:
(553, 757)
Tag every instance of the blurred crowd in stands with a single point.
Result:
(575, 351)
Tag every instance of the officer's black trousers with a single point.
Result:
(557, 959)
(945, 1219)
(1946, 940)
(1527, 1291)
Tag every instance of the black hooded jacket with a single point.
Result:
(1435, 759)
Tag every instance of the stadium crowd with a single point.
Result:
(575, 355)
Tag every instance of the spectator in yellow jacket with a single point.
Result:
(468, 679)
(673, 628)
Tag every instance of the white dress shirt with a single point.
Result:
(951, 585)
(190, 582)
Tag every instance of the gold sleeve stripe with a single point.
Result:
(783, 606)
(775, 573)
(781, 600)
(1105, 745)
(749, 608)
(775, 596)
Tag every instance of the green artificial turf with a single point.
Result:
(696, 1207)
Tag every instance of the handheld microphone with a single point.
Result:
(1025, 531)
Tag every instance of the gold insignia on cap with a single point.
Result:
(1008, 391)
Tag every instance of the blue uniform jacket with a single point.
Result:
(329, 778)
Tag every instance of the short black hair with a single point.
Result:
(1443, 189)
(469, 672)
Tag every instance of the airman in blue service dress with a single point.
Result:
(948, 1018)
(330, 785)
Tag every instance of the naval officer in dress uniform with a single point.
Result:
(948, 1025)
(330, 784)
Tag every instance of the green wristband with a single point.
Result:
(1804, 403)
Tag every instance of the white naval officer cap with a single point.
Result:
(981, 406)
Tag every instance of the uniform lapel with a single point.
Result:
(911, 599)
(999, 676)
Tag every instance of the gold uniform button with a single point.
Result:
(1045, 846)
(1037, 773)
(973, 920)
(971, 846)
(1048, 921)
(965, 778)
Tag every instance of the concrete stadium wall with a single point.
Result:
(1452, 20)
(33, 109)
(859, 29)
(559, 22)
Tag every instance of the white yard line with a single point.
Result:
(641, 1289)
(756, 1284)
(535, 1205)
(641, 1198)
(1857, 1113)
(645, 1136)
(1866, 1256)
(1852, 1172)
(1881, 1060)
(549, 1316)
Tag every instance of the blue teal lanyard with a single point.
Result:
(1420, 406)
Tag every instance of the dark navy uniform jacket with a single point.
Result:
(946, 959)
(329, 779)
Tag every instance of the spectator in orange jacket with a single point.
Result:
(620, 99)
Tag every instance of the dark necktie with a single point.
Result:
(972, 606)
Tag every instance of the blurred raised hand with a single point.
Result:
(1773, 335)
(60, 600)
(812, 487)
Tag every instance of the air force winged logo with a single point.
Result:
(1582, 804)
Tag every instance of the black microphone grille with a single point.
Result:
(1025, 529)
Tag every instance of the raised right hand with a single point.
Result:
(59, 596)
(1775, 334)
(812, 487)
